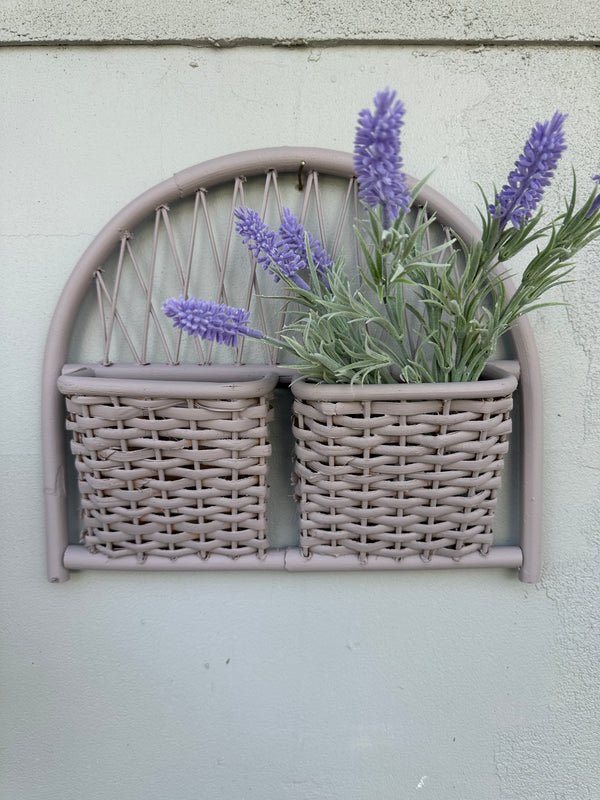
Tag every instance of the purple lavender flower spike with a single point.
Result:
(292, 235)
(518, 199)
(266, 248)
(596, 203)
(261, 240)
(209, 320)
(377, 159)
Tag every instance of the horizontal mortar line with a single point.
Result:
(305, 42)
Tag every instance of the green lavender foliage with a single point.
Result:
(415, 310)
(424, 312)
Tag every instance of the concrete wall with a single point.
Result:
(461, 686)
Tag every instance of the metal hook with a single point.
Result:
(300, 186)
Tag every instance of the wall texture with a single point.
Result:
(459, 686)
(308, 21)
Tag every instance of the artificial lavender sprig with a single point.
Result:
(210, 321)
(267, 248)
(377, 159)
(518, 199)
(293, 235)
(261, 240)
(410, 314)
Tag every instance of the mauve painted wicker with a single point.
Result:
(170, 468)
(396, 471)
(182, 231)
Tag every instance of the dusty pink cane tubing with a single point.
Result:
(290, 560)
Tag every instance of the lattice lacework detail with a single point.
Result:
(393, 479)
(192, 249)
(171, 477)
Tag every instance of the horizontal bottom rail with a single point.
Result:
(290, 560)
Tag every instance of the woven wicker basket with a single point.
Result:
(170, 467)
(398, 470)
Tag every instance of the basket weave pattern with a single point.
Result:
(399, 478)
(170, 477)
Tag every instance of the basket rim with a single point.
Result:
(205, 383)
(494, 382)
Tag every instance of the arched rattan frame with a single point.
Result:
(62, 557)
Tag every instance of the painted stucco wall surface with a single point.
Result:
(445, 686)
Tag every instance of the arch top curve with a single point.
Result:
(252, 163)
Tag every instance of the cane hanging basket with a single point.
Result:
(170, 467)
(400, 470)
(177, 238)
